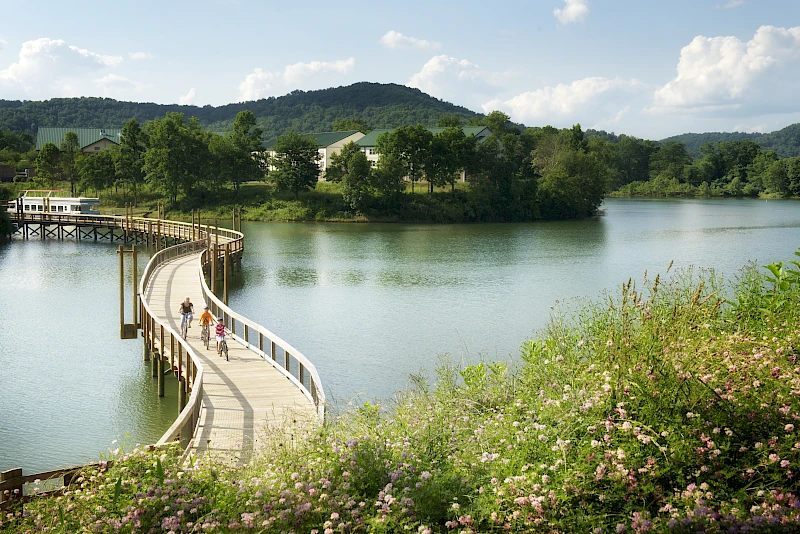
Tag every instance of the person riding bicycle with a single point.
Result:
(187, 312)
(219, 330)
(206, 319)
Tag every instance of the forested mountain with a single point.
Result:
(379, 105)
(785, 142)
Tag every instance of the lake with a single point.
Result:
(367, 303)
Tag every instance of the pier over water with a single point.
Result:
(228, 409)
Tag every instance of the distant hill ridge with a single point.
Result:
(380, 105)
(785, 142)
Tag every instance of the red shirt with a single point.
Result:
(220, 329)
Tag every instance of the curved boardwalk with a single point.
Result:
(244, 398)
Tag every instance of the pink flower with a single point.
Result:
(789, 427)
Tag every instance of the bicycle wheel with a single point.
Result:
(205, 336)
(225, 349)
(183, 329)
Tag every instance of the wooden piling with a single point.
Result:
(121, 253)
(135, 286)
(225, 274)
(161, 376)
(214, 269)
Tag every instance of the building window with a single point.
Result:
(97, 148)
(40, 208)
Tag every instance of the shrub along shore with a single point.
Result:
(666, 407)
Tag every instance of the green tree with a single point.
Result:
(357, 181)
(68, 152)
(97, 171)
(178, 155)
(669, 160)
(449, 121)
(129, 158)
(245, 139)
(339, 165)
(498, 122)
(295, 163)
(387, 180)
(452, 151)
(410, 145)
(353, 123)
(46, 163)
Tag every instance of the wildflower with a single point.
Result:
(789, 427)
(609, 343)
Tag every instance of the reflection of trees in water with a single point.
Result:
(140, 412)
(297, 276)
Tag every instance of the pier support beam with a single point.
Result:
(160, 376)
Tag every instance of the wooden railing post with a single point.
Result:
(15, 491)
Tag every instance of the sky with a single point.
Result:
(641, 67)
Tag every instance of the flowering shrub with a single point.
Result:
(671, 409)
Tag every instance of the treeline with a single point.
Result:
(785, 142)
(512, 175)
(381, 105)
(171, 156)
(739, 168)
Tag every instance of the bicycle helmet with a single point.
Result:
(220, 318)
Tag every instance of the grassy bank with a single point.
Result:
(657, 408)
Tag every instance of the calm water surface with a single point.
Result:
(69, 387)
(368, 304)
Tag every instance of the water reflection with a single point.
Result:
(474, 291)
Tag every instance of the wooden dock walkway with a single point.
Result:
(267, 392)
(244, 399)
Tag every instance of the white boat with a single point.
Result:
(47, 201)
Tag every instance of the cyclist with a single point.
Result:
(206, 319)
(219, 330)
(187, 312)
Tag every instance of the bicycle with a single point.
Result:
(223, 348)
(184, 327)
(204, 335)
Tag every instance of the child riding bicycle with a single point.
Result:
(219, 331)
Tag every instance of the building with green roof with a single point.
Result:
(89, 139)
(367, 143)
(328, 144)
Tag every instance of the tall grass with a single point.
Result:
(667, 406)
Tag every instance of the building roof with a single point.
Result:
(86, 136)
(371, 138)
(323, 139)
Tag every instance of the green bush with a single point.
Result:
(667, 408)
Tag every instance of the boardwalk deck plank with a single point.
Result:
(245, 398)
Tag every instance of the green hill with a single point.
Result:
(785, 142)
(381, 105)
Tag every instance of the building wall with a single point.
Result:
(102, 144)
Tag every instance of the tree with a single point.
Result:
(97, 171)
(339, 166)
(356, 182)
(387, 180)
(45, 164)
(245, 140)
(129, 160)
(353, 123)
(669, 160)
(69, 151)
(449, 121)
(497, 121)
(451, 151)
(410, 145)
(295, 163)
(177, 156)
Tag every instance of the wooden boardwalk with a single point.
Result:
(246, 402)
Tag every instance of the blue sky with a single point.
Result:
(645, 68)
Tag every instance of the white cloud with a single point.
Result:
(51, 68)
(296, 73)
(455, 79)
(573, 11)
(189, 99)
(396, 40)
(589, 100)
(261, 83)
(725, 75)
(139, 56)
(114, 85)
(730, 4)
